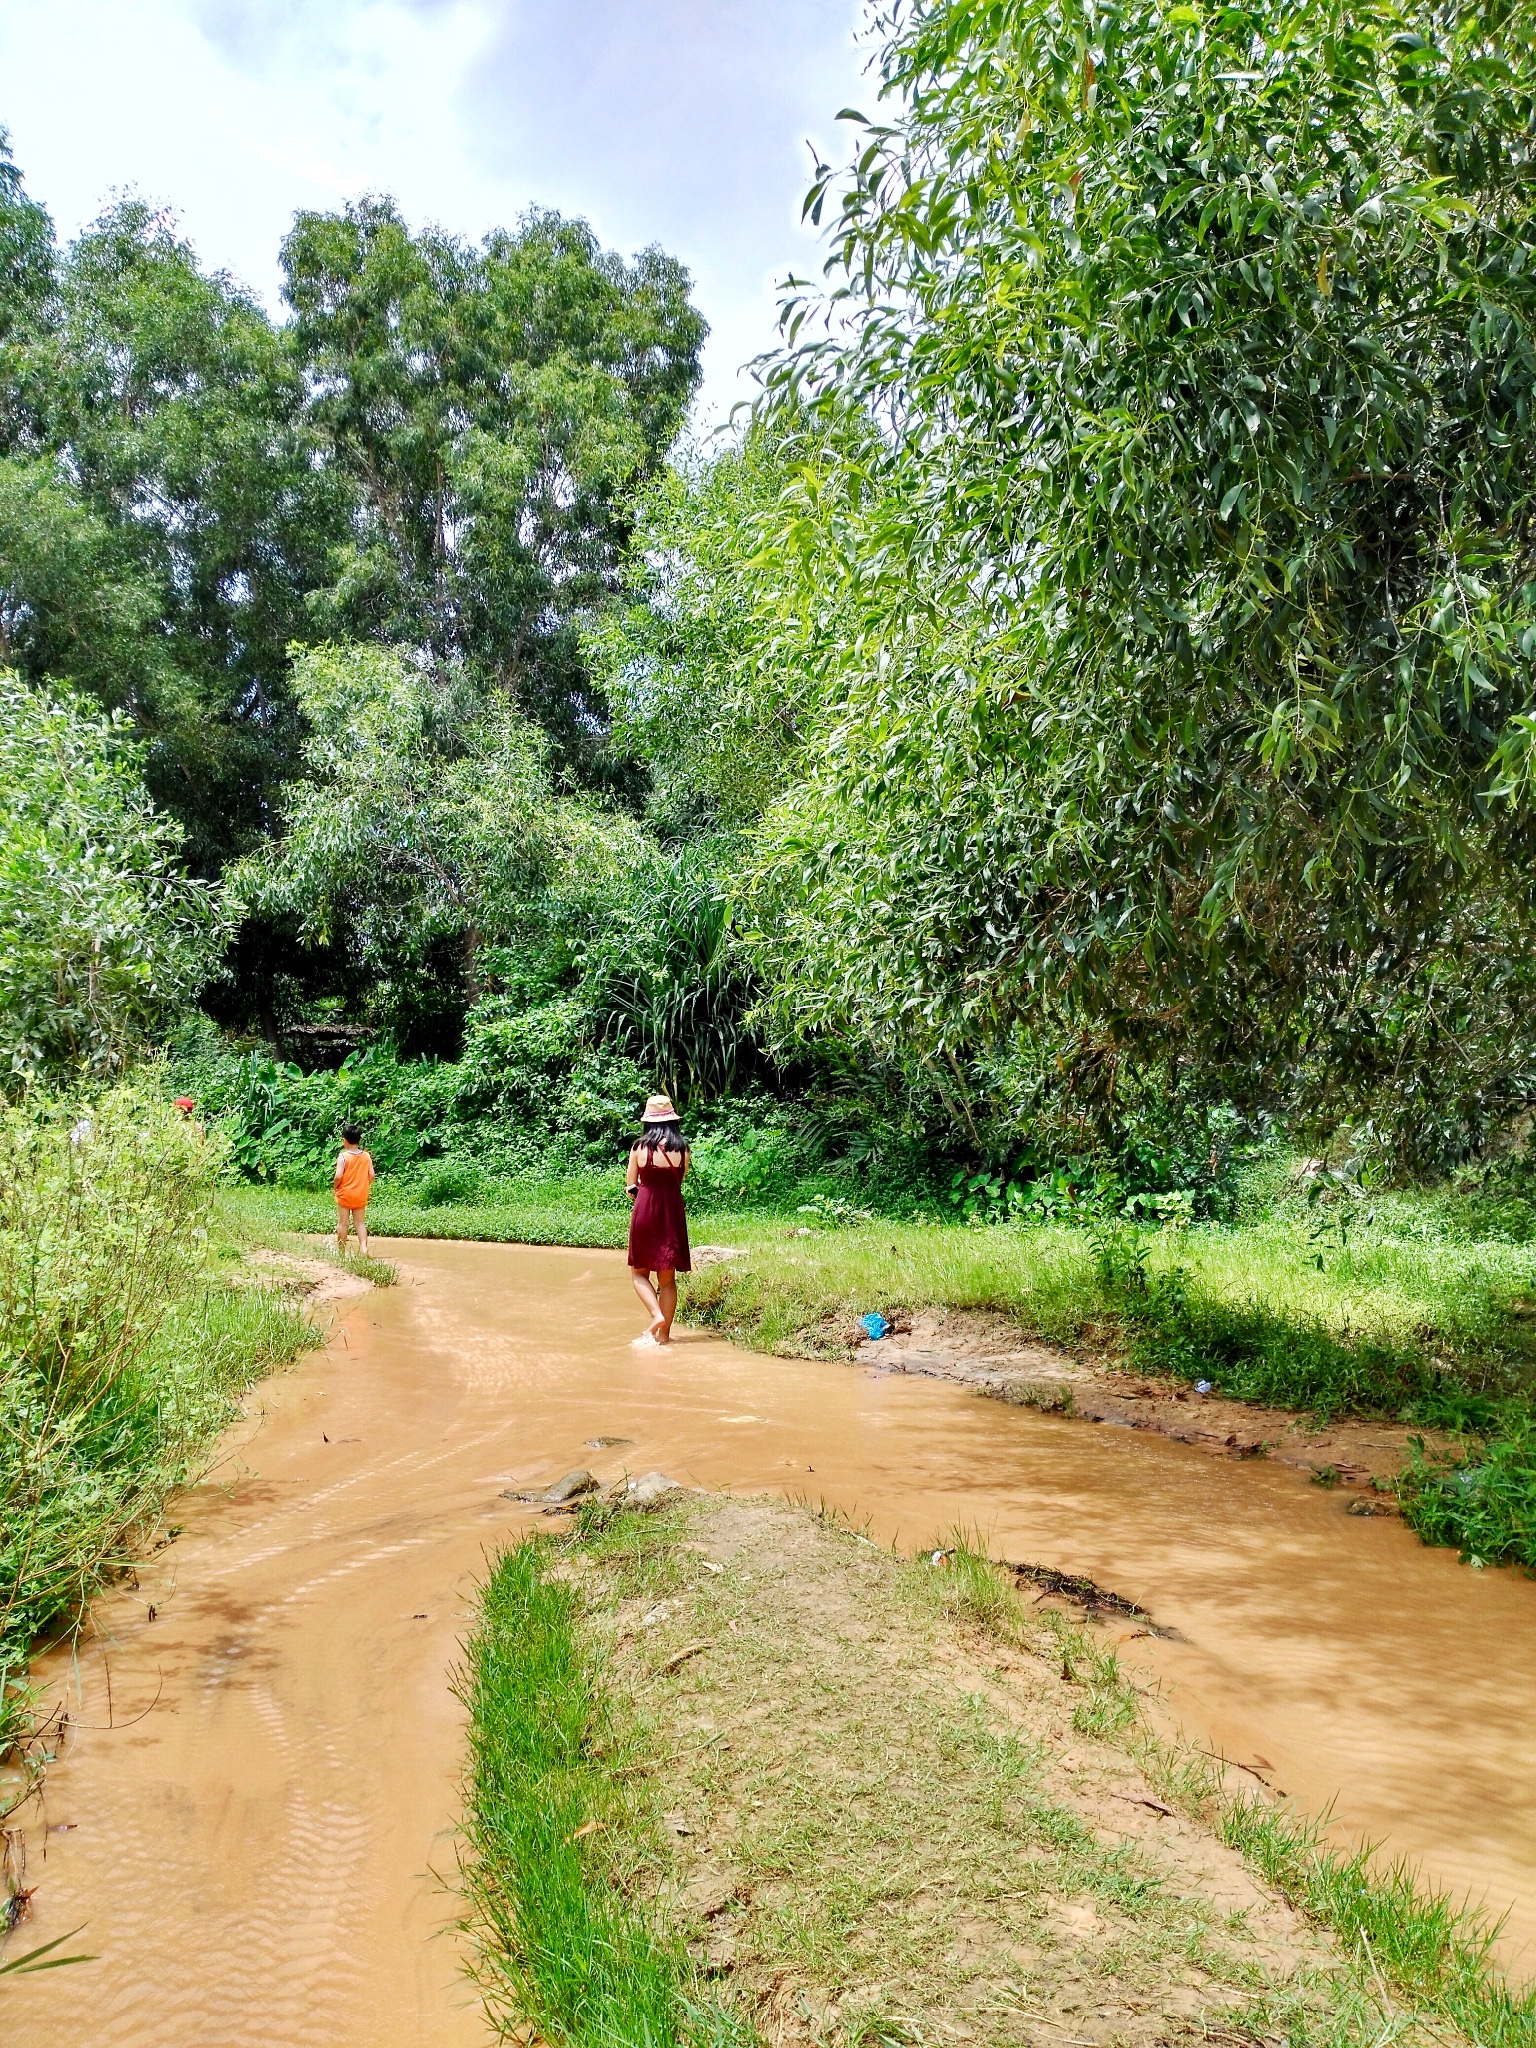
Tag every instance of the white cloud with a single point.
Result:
(681, 122)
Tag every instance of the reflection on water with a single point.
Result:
(257, 1826)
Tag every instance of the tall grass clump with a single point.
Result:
(559, 1831)
(1434, 1953)
(1483, 1504)
(120, 1353)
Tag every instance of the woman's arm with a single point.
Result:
(632, 1171)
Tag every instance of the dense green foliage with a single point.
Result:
(163, 514)
(120, 1352)
(489, 408)
(1191, 562)
(103, 938)
(1085, 713)
(433, 455)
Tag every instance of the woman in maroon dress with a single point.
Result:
(658, 1224)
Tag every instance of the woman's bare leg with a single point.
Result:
(647, 1294)
(666, 1296)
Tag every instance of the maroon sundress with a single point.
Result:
(658, 1223)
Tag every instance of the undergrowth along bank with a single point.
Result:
(122, 1350)
(562, 1831)
(1419, 1319)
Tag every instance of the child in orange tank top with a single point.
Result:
(353, 1178)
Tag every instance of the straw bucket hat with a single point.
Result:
(659, 1110)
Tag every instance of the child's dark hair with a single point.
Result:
(351, 1135)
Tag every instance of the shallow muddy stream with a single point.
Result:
(254, 1817)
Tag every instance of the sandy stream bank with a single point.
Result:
(256, 1822)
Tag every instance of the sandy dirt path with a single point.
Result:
(257, 1828)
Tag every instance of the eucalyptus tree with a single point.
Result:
(492, 408)
(163, 515)
(728, 633)
(1199, 611)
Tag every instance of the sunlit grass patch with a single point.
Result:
(558, 1941)
(1426, 1949)
(367, 1266)
(563, 1838)
(1416, 1956)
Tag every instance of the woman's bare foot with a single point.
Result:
(659, 1332)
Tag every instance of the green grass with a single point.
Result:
(1483, 1504)
(897, 1842)
(1383, 1298)
(1435, 1955)
(1415, 1944)
(1418, 1318)
(122, 1351)
(544, 1213)
(578, 1210)
(78, 1506)
(562, 1834)
(364, 1266)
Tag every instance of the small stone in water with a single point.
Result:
(572, 1486)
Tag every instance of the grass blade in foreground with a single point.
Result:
(43, 1958)
(558, 1834)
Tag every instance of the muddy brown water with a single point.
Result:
(254, 1820)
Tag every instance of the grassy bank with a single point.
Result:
(1426, 1315)
(564, 1833)
(578, 1209)
(1434, 1331)
(123, 1351)
(868, 1801)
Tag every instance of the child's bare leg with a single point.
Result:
(361, 1220)
(666, 1295)
(647, 1294)
(343, 1218)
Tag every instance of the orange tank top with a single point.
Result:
(354, 1177)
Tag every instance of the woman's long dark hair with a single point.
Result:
(665, 1137)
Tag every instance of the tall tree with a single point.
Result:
(415, 832)
(493, 408)
(183, 414)
(717, 662)
(162, 512)
(1202, 595)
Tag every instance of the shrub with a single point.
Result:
(1484, 1504)
(117, 1358)
(101, 934)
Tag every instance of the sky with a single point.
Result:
(682, 122)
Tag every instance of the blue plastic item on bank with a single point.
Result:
(874, 1325)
